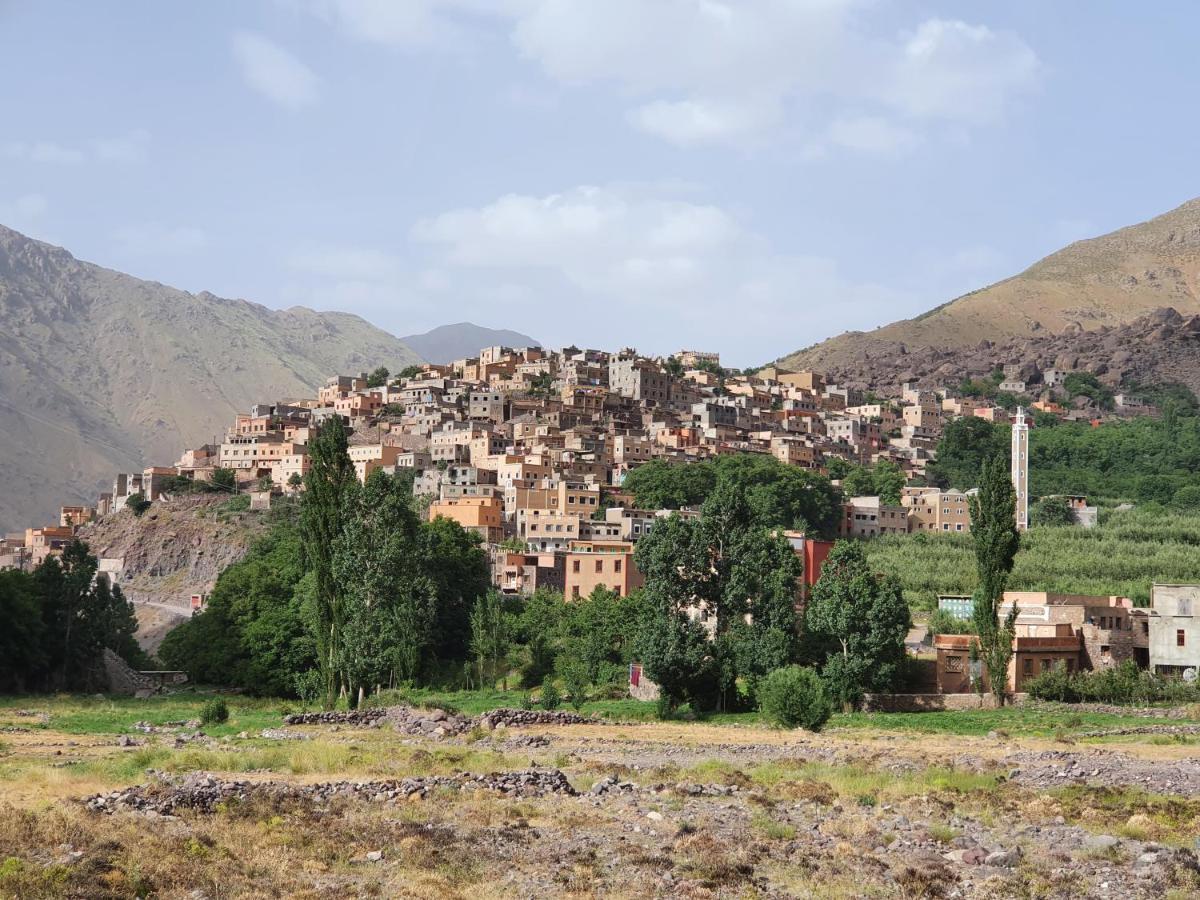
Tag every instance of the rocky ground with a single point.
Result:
(1162, 346)
(545, 804)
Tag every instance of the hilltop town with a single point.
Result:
(530, 448)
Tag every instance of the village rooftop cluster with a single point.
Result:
(529, 449)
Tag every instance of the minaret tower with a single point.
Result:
(1020, 467)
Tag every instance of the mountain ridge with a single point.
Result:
(101, 371)
(461, 340)
(1107, 280)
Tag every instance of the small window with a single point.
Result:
(1028, 667)
(617, 565)
(599, 565)
(954, 664)
(575, 565)
(575, 591)
(1180, 638)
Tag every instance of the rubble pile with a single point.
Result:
(521, 717)
(204, 792)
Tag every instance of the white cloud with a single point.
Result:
(872, 135)
(346, 263)
(274, 72)
(702, 121)
(619, 264)
(959, 72)
(157, 239)
(129, 148)
(725, 72)
(23, 213)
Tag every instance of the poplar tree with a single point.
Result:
(994, 536)
(330, 472)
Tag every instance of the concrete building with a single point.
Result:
(867, 517)
(930, 510)
(607, 564)
(1174, 632)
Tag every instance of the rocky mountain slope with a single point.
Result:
(1102, 282)
(450, 342)
(101, 372)
(1158, 348)
(175, 549)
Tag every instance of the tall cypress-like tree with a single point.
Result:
(995, 538)
(390, 602)
(329, 473)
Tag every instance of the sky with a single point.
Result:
(746, 176)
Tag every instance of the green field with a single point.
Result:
(1123, 555)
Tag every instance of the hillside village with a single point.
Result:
(530, 450)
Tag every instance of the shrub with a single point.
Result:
(1125, 685)
(551, 698)
(138, 503)
(575, 680)
(795, 696)
(214, 712)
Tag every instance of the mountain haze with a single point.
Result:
(101, 372)
(1105, 281)
(463, 340)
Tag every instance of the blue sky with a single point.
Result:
(749, 176)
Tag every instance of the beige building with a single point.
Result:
(934, 510)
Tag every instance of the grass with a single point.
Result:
(1022, 721)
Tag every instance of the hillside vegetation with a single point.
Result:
(1124, 554)
(1146, 459)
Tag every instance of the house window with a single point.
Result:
(954, 664)
(1180, 637)
(1104, 650)
(574, 565)
(575, 591)
(1047, 665)
(617, 565)
(1028, 667)
(599, 565)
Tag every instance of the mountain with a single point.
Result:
(1104, 281)
(101, 372)
(1161, 347)
(450, 342)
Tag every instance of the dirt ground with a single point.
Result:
(641, 810)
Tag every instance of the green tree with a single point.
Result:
(137, 503)
(863, 620)
(254, 632)
(223, 479)
(390, 603)
(538, 627)
(490, 638)
(409, 372)
(673, 367)
(858, 482)
(24, 660)
(329, 475)
(1187, 498)
(966, 442)
(995, 540)
(1052, 512)
(889, 482)
(838, 467)
(378, 378)
(725, 566)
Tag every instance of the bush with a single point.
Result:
(795, 696)
(575, 680)
(214, 712)
(138, 503)
(1123, 685)
(942, 622)
(551, 698)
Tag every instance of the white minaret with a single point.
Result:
(1020, 467)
